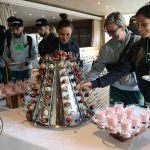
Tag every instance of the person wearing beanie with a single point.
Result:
(44, 30)
(9, 21)
(125, 89)
(19, 50)
(63, 41)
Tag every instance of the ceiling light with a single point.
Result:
(106, 6)
(15, 12)
(43, 16)
(70, 19)
(98, 3)
(54, 17)
(30, 14)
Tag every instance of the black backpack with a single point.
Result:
(29, 40)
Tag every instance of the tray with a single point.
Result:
(123, 139)
(117, 132)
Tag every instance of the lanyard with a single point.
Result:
(147, 52)
(59, 47)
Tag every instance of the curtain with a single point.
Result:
(96, 33)
(6, 11)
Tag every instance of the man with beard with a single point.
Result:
(44, 31)
(19, 50)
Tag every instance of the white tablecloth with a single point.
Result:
(19, 134)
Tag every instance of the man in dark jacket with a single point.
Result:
(2, 62)
(43, 30)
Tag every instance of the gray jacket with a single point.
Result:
(109, 54)
(20, 51)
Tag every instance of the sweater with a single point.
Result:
(110, 54)
(19, 49)
(44, 47)
(118, 70)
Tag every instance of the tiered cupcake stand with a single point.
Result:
(56, 99)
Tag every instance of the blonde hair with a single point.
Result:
(116, 18)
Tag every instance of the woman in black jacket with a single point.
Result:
(138, 59)
(63, 41)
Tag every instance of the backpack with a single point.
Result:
(29, 42)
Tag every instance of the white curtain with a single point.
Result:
(6, 11)
(96, 33)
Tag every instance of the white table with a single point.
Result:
(19, 134)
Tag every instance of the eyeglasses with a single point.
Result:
(110, 33)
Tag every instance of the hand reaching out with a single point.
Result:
(85, 85)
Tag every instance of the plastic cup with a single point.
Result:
(126, 126)
(130, 112)
(112, 121)
(144, 117)
(119, 105)
(100, 116)
(121, 115)
(110, 111)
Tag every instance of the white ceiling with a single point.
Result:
(90, 7)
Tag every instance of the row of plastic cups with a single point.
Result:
(126, 125)
(102, 116)
(13, 88)
(114, 110)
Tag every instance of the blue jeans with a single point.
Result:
(20, 75)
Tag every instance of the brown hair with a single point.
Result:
(64, 22)
(144, 11)
(137, 58)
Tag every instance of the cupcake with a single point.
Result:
(47, 89)
(42, 66)
(51, 66)
(67, 111)
(64, 89)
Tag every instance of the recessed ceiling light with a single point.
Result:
(30, 14)
(106, 6)
(15, 12)
(98, 3)
(43, 16)
(54, 17)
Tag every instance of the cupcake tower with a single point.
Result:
(57, 100)
(74, 103)
(39, 107)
